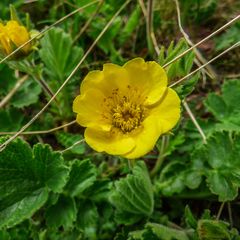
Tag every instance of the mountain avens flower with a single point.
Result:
(126, 108)
(13, 35)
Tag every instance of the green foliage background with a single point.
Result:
(185, 189)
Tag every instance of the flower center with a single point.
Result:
(127, 115)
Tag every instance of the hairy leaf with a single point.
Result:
(26, 177)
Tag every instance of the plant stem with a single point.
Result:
(160, 158)
(220, 210)
(19, 83)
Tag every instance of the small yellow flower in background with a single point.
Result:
(13, 35)
(126, 108)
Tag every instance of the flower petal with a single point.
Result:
(18, 34)
(149, 77)
(167, 111)
(90, 108)
(112, 143)
(145, 138)
(112, 77)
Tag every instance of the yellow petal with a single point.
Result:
(5, 44)
(167, 111)
(18, 34)
(112, 77)
(112, 143)
(90, 109)
(149, 77)
(2, 29)
(145, 138)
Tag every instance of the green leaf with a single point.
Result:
(106, 43)
(88, 218)
(68, 139)
(221, 154)
(58, 54)
(225, 107)
(180, 67)
(10, 120)
(7, 79)
(49, 167)
(187, 86)
(27, 94)
(189, 218)
(26, 177)
(133, 195)
(166, 233)
(154, 231)
(212, 230)
(22, 208)
(131, 25)
(99, 191)
(171, 179)
(83, 174)
(228, 38)
(63, 213)
(220, 184)
(175, 176)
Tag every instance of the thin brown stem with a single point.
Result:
(83, 29)
(199, 60)
(202, 41)
(75, 144)
(230, 214)
(41, 131)
(195, 121)
(149, 25)
(144, 10)
(220, 211)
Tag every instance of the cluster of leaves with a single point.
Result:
(49, 194)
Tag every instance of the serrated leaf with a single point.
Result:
(187, 86)
(88, 218)
(231, 36)
(189, 218)
(63, 213)
(58, 54)
(211, 229)
(26, 177)
(133, 195)
(221, 154)
(99, 191)
(68, 139)
(27, 94)
(154, 231)
(166, 233)
(171, 179)
(225, 107)
(83, 174)
(180, 67)
(49, 167)
(23, 208)
(220, 184)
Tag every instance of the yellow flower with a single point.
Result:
(126, 108)
(13, 35)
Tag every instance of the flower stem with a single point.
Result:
(161, 156)
(131, 163)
